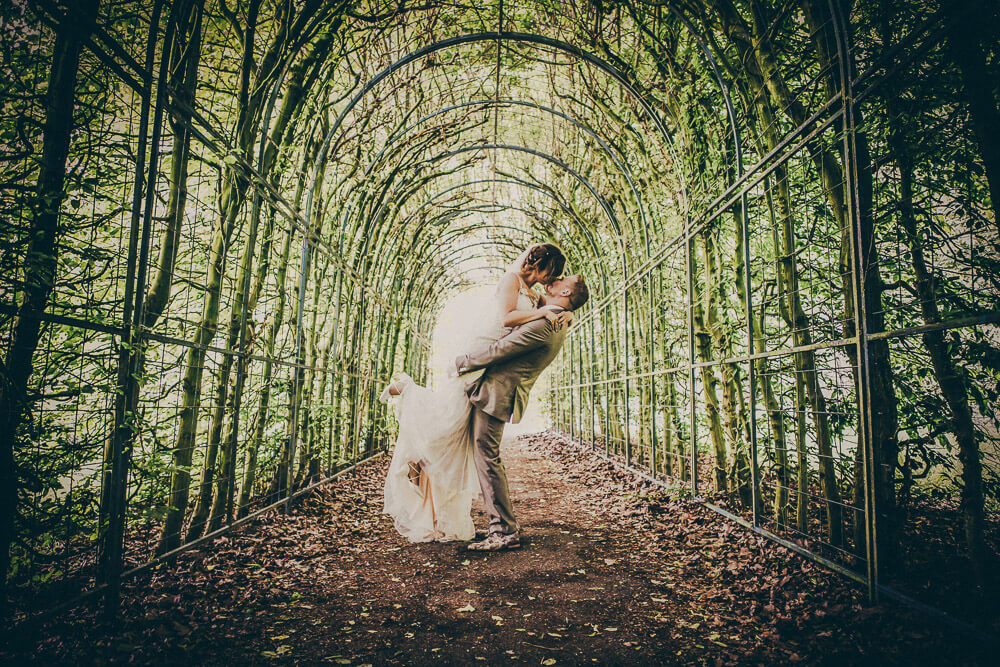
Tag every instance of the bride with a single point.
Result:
(432, 478)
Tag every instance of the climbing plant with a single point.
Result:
(226, 224)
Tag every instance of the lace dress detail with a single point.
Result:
(432, 477)
(531, 295)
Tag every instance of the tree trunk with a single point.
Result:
(182, 79)
(743, 447)
(260, 417)
(243, 306)
(234, 190)
(714, 295)
(185, 54)
(703, 347)
(950, 378)
(972, 24)
(883, 417)
(40, 263)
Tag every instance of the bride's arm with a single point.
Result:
(510, 316)
(565, 316)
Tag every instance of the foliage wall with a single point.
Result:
(226, 224)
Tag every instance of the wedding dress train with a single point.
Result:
(432, 476)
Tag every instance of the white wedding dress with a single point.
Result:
(432, 476)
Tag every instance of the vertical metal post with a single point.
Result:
(654, 440)
(335, 418)
(297, 371)
(692, 427)
(572, 389)
(241, 360)
(126, 399)
(593, 388)
(859, 261)
(751, 370)
(625, 408)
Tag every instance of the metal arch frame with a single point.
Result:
(452, 252)
(622, 167)
(521, 183)
(366, 266)
(537, 39)
(466, 211)
(609, 213)
(530, 38)
(553, 160)
(455, 232)
(593, 191)
(565, 47)
(551, 225)
(580, 223)
(604, 205)
(587, 232)
(439, 269)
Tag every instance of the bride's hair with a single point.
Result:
(545, 258)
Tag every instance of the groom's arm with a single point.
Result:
(521, 340)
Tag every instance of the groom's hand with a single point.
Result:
(460, 361)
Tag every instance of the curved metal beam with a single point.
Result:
(584, 228)
(529, 38)
(622, 167)
(583, 180)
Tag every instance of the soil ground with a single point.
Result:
(611, 572)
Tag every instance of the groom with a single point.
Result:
(512, 365)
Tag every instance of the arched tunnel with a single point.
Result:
(227, 225)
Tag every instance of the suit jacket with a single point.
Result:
(512, 364)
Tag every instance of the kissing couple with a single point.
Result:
(448, 448)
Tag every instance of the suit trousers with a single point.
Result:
(487, 431)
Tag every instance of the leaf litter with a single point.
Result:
(613, 570)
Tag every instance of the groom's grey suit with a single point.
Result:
(512, 364)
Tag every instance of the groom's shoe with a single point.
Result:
(497, 542)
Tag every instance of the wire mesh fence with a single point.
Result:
(827, 384)
(787, 215)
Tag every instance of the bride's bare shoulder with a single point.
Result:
(508, 283)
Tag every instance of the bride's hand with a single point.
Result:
(559, 320)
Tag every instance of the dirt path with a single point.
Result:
(611, 573)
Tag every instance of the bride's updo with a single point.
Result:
(546, 259)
